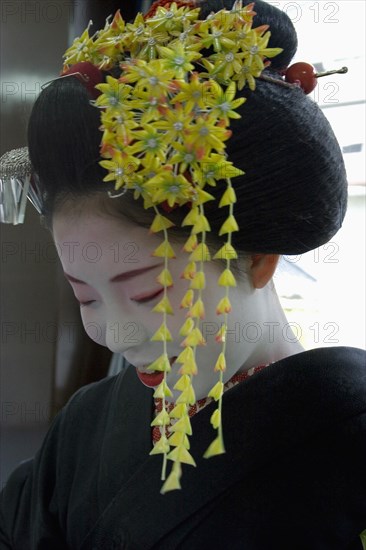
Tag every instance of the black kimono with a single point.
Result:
(293, 476)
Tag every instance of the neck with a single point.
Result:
(277, 338)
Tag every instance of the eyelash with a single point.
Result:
(147, 299)
(84, 304)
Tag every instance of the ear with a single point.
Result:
(262, 268)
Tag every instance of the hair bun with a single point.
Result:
(283, 33)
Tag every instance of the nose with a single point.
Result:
(123, 334)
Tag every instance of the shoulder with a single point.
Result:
(307, 393)
(336, 374)
(92, 400)
(342, 357)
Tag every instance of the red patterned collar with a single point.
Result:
(201, 403)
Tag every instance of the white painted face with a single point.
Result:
(109, 265)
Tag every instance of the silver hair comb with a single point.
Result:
(18, 181)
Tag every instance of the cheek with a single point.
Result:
(94, 329)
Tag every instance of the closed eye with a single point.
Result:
(144, 298)
(88, 303)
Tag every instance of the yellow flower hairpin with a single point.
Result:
(165, 123)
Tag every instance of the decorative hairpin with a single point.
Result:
(17, 183)
(301, 75)
(165, 125)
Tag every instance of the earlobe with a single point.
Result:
(263, 268)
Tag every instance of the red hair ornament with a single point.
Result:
(88, 74)
(304, 75)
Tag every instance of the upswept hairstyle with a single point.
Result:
(293, 195)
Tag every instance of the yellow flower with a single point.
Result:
(197, 310)
(193, 93)
(161, 447)
(111, 39)
(117, 125)
(179, 438)
(225, 64)
(173, 481)
(247, 75)
(216, 448)
(161, 364)
(114, 97)
(178, 59)
(185, 355)
(187, 299)
(215, 168)
(187, 327)
(147, 106)
(148, 142)
(162, 334)
(229, 226)
(181, 454)
(216, 419)
(223, 103)
(191, 219)
(162, 419)
(80, 50)
(169, 187)
(189, 271)
(149, 169)
(172, 18)
(203, 196)
(183, 383)
(224, 306)
(187, 396)
(160, 223)
(217, 391)
(164, 250)
(178, 411)
(255, 48)
(190, 244)
(206, 135)
(173, 122)
(220, 336)
(165, 278)
(220, 363)
(189, 367)
(134, 31)
(183, 425)
(198, 281)
(226, 252)
(148, 41)
(200, 253)
(194, 338)
(201, 225)
(121, 168)
(218, 32)
(186, 156)
(162, 391)
(227, 278)
(228, 197)
(164, 306)
(154, 76)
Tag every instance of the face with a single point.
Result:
(109, 265)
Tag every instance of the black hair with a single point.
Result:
(293, 195)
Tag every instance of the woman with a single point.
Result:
(293, 422)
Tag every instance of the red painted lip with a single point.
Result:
(154, 379)
(151, 380)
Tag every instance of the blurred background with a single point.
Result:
(45, 355)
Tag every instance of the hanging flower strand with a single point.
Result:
(227, 280)
(162, 391)
(181, 429)
(165, 122)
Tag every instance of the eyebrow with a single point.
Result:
(116, 278)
